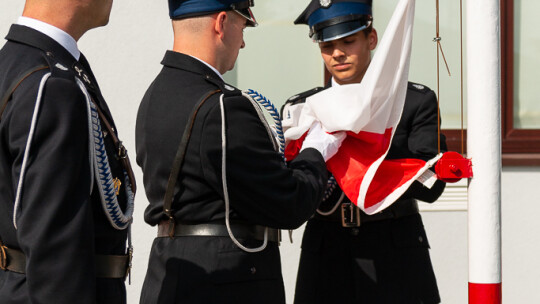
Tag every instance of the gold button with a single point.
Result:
(253, 270)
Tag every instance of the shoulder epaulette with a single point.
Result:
(418, 87)
(299, 98)
(227, 89)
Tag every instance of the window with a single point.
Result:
(520, 44)
(520, 69)
(287, 65)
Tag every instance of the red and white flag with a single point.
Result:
(369, 112)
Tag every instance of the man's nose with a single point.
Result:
(337, 53)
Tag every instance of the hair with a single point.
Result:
(193, 24)
(368, 29)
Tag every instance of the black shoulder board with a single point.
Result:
(418, 87)
(300, 98)
(228, 90)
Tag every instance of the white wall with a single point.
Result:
(125, 57)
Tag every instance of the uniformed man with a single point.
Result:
(66, 199)
(218, 190)
(385, 258)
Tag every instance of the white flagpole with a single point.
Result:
(484, 148)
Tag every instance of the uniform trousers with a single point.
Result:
(210, 270)
(379, 262)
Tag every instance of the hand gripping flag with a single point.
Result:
(369, 112)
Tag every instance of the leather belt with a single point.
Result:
(352, 216)
(241, 231)
(107, 266)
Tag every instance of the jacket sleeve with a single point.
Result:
(423, 144)
(261, 187)
(55, 226)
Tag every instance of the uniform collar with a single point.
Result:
(58, 35)
(31, 37)
(192, 64)
(211, 67)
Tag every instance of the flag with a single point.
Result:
(369, 112)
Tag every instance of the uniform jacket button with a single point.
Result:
(420, 239)
(355, 231)
(253, 270)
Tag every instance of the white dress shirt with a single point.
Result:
(63, 38)
(213, 68)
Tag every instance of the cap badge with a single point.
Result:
(325, 3)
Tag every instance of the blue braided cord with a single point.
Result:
(273, 111)
(330, 187)
(112, 209)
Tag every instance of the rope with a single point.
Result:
(100, 163)
(461, 69)
(438, 39)
(28, 146)
(273, 111)
(333, 208)
(225, 189)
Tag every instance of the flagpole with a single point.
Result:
(484, 148)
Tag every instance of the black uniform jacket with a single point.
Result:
(384, 261)
(61, 225)
(262, 190)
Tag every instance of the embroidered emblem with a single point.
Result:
(418, 86)
(82, 75)
(78, 70)
(86, 79)
(325, 3)
(117, 184)
(61, 67)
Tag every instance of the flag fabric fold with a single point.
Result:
(369, 112)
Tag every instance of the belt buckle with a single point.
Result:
(3, 257)
(350, 215)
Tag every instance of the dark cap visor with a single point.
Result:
(337, 31)
(248, 14)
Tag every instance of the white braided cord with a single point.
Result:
(28, 146)
(225, 189)
(333, 208)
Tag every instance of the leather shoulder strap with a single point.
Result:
(11, 89)
(179, 160)
(121, 150)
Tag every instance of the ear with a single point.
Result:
(219, 26)
(373, 39)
